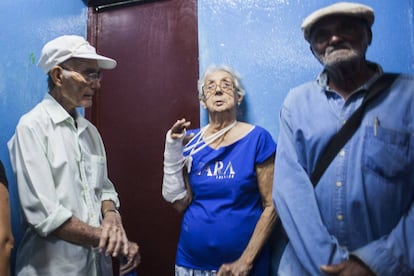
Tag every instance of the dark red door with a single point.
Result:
(154, 84)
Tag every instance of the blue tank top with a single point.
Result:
(219, 222)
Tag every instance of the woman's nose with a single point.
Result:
(217, 90)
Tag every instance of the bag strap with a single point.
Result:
(348, 129)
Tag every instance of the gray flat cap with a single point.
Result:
(342, 8)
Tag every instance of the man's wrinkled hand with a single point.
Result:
(113, 237)
(348, 268)
(133, 259)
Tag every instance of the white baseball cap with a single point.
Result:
(350, 9)
(65, 47)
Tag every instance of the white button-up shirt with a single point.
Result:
(61, 172)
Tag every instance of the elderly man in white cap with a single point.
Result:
(344, 171)
(70, 208)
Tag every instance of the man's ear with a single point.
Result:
(369, 33)
(56, 74)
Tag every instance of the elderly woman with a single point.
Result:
(222, 181)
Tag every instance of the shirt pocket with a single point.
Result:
(386, 154)
(95, 170)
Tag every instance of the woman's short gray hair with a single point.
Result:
(213, 68)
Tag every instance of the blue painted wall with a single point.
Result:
(262, 39)
(25, 27)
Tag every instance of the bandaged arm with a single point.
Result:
(173, 186)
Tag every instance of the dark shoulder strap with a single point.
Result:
(348, 129)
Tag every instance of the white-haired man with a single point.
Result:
(70, 207)
(359, 219)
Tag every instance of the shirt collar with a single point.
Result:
(322, 79)
(56, 112)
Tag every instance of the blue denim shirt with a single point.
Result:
(363, 204)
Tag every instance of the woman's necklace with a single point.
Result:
(202, 143)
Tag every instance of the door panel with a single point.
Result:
(154, 84)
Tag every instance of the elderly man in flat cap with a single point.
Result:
(71, 221)
(347, 205)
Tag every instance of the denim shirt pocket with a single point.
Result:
(386, 155)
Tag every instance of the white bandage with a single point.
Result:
(173, 186)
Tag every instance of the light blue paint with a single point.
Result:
(262, 40)
(26, 27)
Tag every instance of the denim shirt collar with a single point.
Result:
(322, 79)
